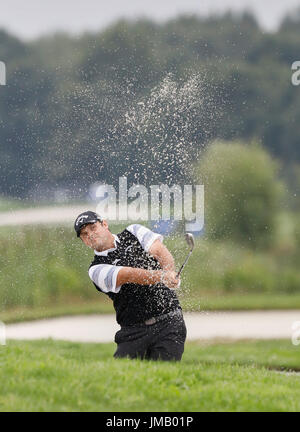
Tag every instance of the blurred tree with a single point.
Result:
(293, 182)
(10, 47)
(291, 22)
(242, 192)
(64, 111)
(297, 231)
(123, 54)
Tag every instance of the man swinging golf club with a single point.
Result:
(137, 272)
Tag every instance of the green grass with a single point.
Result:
(279, 354)
(9, 204)
(62, 376)
(74, 308)
(233, 302)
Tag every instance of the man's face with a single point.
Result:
(96, 236)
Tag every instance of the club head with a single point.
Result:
(190, 240)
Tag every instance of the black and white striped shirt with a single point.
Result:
(133, 303)
(105, 275)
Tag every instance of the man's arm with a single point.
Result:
(163, 256)
(151, 242)
(147, 277)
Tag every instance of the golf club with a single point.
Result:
(191, 243)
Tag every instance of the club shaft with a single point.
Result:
(185, 261)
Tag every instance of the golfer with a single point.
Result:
(137, 272)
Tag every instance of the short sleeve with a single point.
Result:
(145, 236)
(105, 277)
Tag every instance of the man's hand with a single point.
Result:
(170, 280)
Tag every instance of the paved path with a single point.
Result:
(204, 325)
(42, 215)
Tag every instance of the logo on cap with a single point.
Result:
(81, 219)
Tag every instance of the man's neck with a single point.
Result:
(110, 244)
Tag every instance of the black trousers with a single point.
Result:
(163, 340)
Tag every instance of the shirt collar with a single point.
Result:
(106, 252)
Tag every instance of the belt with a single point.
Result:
(154, 320)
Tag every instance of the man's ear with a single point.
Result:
(104, 223)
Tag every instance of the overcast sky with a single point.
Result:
(32, 18)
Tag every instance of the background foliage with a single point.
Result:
(63, 109)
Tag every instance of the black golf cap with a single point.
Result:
(88, 217)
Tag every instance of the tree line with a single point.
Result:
(143, 99)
